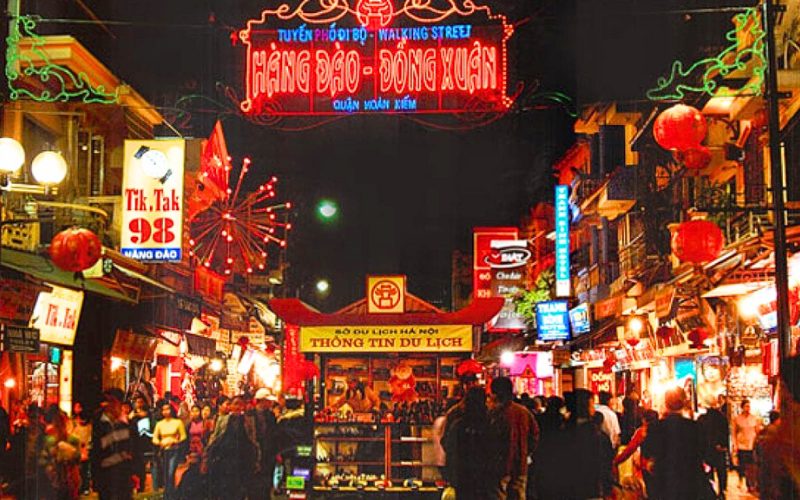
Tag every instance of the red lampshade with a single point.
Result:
(680, 127)
(75, 249)
(695, 158)
(697, 337)
(697, 241)
(469, 366)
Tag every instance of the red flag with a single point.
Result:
(212, 179)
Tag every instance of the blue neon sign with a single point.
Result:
(562, 241)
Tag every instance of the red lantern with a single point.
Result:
(695, 158)
(609, 362)
(680, 127)
(469, 367)
(697, 241)
(665, 332)
(697, 337)
(75, 249)
(310, 370)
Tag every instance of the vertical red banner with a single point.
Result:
(292, 370)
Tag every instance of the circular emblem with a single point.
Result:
(385, 294)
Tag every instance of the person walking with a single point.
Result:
(746, 427)
(233, 456)
(610, 425)
(716, 431)
(266, 434)
(640, 477)
(60, 459)
(141, 421)
(81, 427)
(466, 442)
(111, 453)
(516, 435)
(168, 437)
(676, 445)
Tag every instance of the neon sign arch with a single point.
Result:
(327, 58)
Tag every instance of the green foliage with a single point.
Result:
(526, 300)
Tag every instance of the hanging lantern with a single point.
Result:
(680, 127)
(469, 367)
(697, 337)
(75, 249)
(695, 158)
(609, 363)
(665, 333)
(697, 241)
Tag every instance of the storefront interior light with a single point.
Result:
(10, 383)
(507, 358)
(49, 168)
(215, 365)
(116, 363)
(636, 325)
(749, 304)
(12, 156)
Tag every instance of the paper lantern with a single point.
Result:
(680, 127)
(469, 367)
(697, 241)
(697, 337)
(665, 332)
(695, 158)
(609, 363)
(75, 249)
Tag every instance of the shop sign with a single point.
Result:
(375, 58)
(579, 319)
(188, 305)
(292, 373)
(482, 238)
(664, 299)
(17, 299)
(386, 294)
(552, 320)
(508, 261)
(20, 339)
(562, 241)
(209, 284)
(396, 338)
(561, 357)
(56, 315)
(152, 200)
(608, 307)
(600, 380)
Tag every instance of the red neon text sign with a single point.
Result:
(338, 60)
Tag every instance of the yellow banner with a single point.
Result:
(400, 338)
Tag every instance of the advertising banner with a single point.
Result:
(398, 338)
(508, 261)
(562, 241)
(20, 339)
(552, 320)
(482, 238)
(56, 315)
(386, 294)
(579, 319)
(600, 380)
(152, 200)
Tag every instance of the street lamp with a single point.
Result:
(327, 210)
(12, 156)
(49, 168)
(323, 286)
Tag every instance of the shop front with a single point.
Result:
(387, 365)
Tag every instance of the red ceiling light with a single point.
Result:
(697, 337)
(697, 241)
(680, 127)
(75, 249)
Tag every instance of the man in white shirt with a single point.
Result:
(610, 420)
(746, 427)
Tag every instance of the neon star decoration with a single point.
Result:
(31, 75)
(331, 58)
(232, 235)
(702, 76)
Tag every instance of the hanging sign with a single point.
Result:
(17, 299)
(579, 319)
(376, 56)
(508, 261)
(56, 315)
(152, 200)
(390, 338)
(562, 241)
(20, 339)
(482, 238)
(665, 297)
(552, 320)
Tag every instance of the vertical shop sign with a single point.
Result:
(508, 261)
(292, 377)
(600, 380)
(552, 320)
(56, 315)
(152, 200)
(562, 241)
(482, 238)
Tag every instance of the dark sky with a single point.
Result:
(408, 195)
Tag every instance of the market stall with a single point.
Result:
(387, 366)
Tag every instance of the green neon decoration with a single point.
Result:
(72, 86)
(675, 87)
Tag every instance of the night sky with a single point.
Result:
(408, 195)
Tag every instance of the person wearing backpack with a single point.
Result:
(466, 442)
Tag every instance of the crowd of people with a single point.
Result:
(225, 448)
(578, 447)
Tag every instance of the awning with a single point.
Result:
(135, 346)
(43, 269)
(143, 278)
(200, 346)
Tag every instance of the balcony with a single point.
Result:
(632, 257)
(619, 194)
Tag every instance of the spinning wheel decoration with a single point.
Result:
(230, 233)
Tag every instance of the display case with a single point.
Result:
(375, 457)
